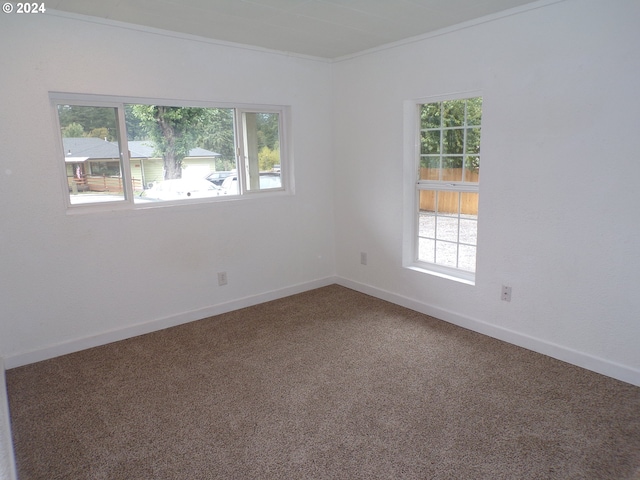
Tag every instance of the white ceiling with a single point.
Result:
(321, 28)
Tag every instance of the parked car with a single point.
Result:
(267, 180)
(181, 188)
(218, 177)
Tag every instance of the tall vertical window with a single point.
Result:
(447, 186)
(132, 153)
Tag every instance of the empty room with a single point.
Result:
(320, 239)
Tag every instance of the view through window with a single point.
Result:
(145, 153)
(447, 186)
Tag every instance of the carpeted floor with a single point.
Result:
(328, 384)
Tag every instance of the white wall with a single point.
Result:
(70, 281)
(559, 217)
(559, 211)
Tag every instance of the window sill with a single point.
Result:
(470, 280)
(128, 206)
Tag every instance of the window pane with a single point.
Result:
(473, 141)
(453, 141)
(430, 142)
(427, 201)
(447, 228)
(110, 169)
(426, 225)
(262, 150)
(430, 167)
(430, 115)
(469, 231)
(452, 171)
(179, 153)
(448, 203)
(467, 258)
(447, 254)
(472, 169)
(469, 203)
(92, 153)
(474, 111)
(426, 250)
(453, 113)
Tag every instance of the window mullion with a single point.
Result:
(440, 160)
(241, 154)
(464, 142)
(125, 160)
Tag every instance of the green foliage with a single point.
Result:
(73, 130)
(174, 131)
(101, 132)
(135, 128)
(267, 125)
(449, 132)
(89, 119)
(268, 158)
(217, 136)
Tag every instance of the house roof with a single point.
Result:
(92, 148)
(144, 148)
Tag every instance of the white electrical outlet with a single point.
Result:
(222, 278)
(506, 293)
(363, 258)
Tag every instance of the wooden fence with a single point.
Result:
(448, 202)
(98, 183)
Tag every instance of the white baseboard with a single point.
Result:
(574, 357)
(559, 352)
(104, 338)
(7, 460)
(589, 362)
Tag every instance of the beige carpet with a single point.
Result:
(328, 384)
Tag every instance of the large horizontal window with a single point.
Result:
(132, 153)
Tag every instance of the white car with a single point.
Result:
(268, 180)
(181, 188)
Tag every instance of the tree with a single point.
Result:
(445, 126)
(268, 158)
(135, 128)
(99, 133)
(73, 130)
(173, 130)
(88, 118)
(217, 135)
(267, 125)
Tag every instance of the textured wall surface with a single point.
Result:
(558, 218)
(70, 277)
(558, 186)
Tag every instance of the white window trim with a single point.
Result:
(119, 102)
(242, 167)
(412, 184)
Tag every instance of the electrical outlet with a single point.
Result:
(222, 278)
(506, 293)
(363, 258)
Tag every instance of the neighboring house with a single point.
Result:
(90, 158)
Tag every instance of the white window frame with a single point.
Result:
(413, 185)
(242, 158)
(117, 102)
